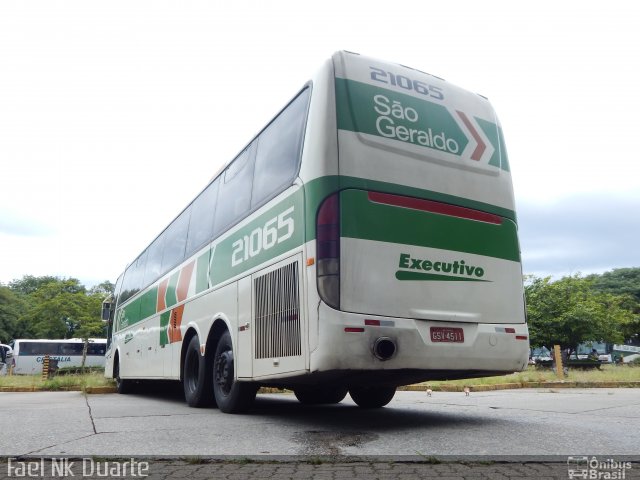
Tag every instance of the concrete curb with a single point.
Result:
(512, 386)
(100, 390)
(19, 389)
(34, 388)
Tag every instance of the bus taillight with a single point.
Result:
(328, 250)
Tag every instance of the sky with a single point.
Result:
(115, 114)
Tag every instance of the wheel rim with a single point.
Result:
(224, 372)
(193, 370)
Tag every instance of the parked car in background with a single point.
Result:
(6, 353)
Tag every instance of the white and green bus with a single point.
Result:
(365, 239)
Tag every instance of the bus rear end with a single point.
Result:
(418, 262)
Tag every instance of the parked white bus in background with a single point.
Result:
(28, 354)
(365, 239)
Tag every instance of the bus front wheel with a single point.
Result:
(372, 397)
(231, 396)
(123, 386)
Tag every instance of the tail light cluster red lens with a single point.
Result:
(328, 250)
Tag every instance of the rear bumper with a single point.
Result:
(347, 345)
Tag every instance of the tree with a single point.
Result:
(619, 281)
(569, 312)
(95, 327)
(60, 308)
(105, 289)
(50, 307)
(624, 282)
(30, 284)
(10, 305)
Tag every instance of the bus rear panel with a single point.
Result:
(418, 256)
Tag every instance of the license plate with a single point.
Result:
(447, 334)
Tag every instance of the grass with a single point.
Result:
(607, 373)
(60, 382)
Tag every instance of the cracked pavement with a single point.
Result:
(497, 425)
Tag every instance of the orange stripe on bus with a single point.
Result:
(173, 333)
(183, 283)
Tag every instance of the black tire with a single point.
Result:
(196, 376)
(320, 395)
(123, 386)
(231, 396)
(372, 397)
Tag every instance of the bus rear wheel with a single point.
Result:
(372, 397)
(196, 376)
(231, 396)
(320, 395)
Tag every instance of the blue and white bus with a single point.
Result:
(28, 354)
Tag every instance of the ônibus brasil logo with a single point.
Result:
(418, 269)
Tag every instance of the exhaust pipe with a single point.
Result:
(384, 348)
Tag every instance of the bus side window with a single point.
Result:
(96, 349)
(154, 261)
(71, 348)
(202, 215)
(134, 276)
(234, 198)
(279, 148)
(46, 348)
(175, 241)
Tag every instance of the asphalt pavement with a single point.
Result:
(536, 433)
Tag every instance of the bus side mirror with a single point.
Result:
(106, 311)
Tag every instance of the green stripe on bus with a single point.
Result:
(202, 272)
(504, 164)
(164, 324)
(320, 188)
(403, 275)
(378, 111)
(140, 308)
(494, 134)
(264, 238)
(356, 112)
(130, 314)
(170, 298)
(148, 303)
(364, 219)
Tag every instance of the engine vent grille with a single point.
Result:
(277, 313)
